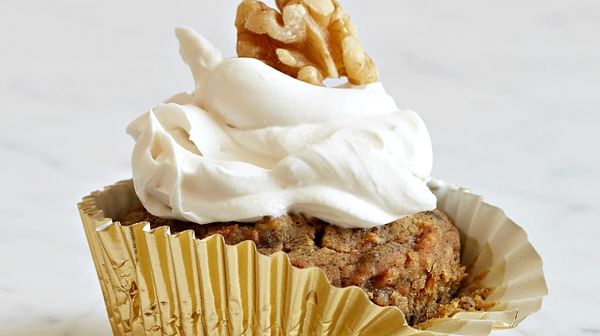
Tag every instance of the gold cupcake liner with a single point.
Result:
(158, 283)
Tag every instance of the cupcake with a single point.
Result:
(266, 202)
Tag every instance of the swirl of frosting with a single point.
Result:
(253, 142)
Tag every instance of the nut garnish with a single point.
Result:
(307, 39)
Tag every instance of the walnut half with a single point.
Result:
(307, 39)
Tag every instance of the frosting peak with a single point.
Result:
(253, 142)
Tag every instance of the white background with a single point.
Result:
(510, 90)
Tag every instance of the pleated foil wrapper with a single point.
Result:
(158, 283)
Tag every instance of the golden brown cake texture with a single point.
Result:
(412, 263)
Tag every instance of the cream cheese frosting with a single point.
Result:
(251, 142)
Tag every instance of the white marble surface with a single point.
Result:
(510, 90)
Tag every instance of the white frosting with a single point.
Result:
(253, 142)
